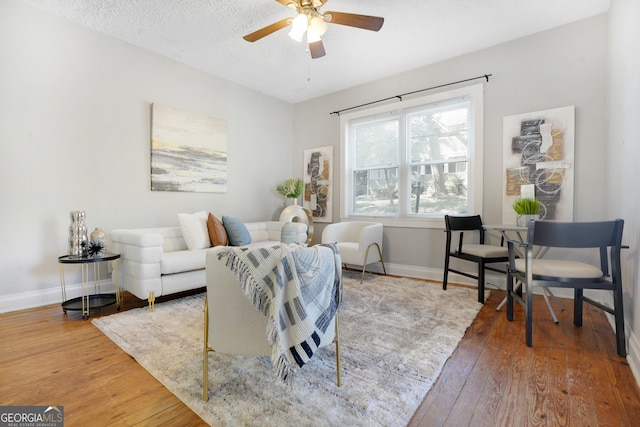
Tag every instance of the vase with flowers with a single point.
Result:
(291, 189)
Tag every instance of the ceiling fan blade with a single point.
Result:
(262, 32)
(366, 22)
(316, 49)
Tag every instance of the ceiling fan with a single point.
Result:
(314, 23)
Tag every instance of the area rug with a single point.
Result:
(396, 334)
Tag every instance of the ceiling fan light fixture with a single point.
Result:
(312, 36)
(299, 27)
(318, 25)
(296, 35)
(300, 23)
(311, 22)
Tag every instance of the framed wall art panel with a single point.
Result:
(538, 161)
(188, 151)
(318, 168)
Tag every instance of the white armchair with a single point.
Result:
(355, 241)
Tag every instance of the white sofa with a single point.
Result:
(156, 261)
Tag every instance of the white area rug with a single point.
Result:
(396, 335)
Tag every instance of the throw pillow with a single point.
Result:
(236, 230)
(194, 230)
(217, 233)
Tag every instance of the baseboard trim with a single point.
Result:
(31, 299)
(42, 297)
(424, 273)
(633, 356)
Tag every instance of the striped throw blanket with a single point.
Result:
(298, 289)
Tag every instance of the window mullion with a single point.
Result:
(404, 175)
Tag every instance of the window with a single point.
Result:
(414, 161)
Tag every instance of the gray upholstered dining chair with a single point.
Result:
(604, 238)
(479, 253)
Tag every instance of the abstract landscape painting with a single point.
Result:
(188, 151)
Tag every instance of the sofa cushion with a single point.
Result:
(194, 230)
(173, 240)
(217, 232)
(236, 230)
(181, 261)
(258, 231)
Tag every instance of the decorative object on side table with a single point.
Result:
(77, 234)
(526, 208)
(97, 243)
(292, 189)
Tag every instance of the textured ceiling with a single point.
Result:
(207, 34)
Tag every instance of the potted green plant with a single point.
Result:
(291, 189)
(526, 208)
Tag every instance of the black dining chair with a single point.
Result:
(479, 252)
(604, 238)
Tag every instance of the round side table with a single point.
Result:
(88, 300)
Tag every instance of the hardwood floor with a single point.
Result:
(571, 376)
(51, 358)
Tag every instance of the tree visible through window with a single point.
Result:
(412, 163)
(376, 167)
(439, 154)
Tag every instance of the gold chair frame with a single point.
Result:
(366, 257)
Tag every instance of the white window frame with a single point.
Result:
(476, 132)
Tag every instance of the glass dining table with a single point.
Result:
(519, 233)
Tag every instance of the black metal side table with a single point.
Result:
(87, 300)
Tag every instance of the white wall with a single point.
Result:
(623, 152)
(75, 135)
(556, 68)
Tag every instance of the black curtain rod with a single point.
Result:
(485, 76)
